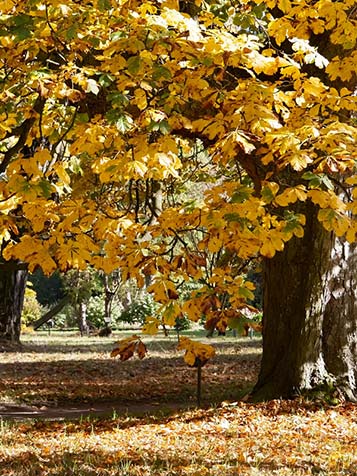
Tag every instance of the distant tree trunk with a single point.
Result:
(109, 294)
(82, 318)
(13, 277)
(310, 316)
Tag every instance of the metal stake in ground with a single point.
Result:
(199, 382)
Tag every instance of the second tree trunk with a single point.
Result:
(310, 316)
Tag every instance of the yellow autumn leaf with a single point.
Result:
(299, 161)
(108, 265)
(42, 156)
(298, 231)
(7, 204)
(32, 251)
(277, 241)
(351, 180)
(140, 99)
(196, 352)
(141, 349)
(267, 249)
(284, 5)
(40, 214)
(291, 195)
(244, 141)
(286, 197)
(151, 326)
(190, 358)
(123, 342)
(320, 197)
(214, 244)
(62, 173)
(351, 233)
(171, 312)
(126, 348)
(193, 310)
(136, 169)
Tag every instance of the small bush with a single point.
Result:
(95, 311)
(182, 324)
(138, 311)
(32, 309)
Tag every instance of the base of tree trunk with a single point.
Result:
(327, 393)
(8, 346)
(13, 277)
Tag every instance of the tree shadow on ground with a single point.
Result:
(99, 379)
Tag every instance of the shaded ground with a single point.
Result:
(67, 377)
(102, 409)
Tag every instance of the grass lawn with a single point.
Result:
(65, 369)
(228, 439)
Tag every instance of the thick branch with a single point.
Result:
(24, 130)
(51, 313)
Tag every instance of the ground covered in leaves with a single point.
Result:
(277, 438)
(226, 438)
(64, 369)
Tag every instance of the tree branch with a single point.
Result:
(24, 130)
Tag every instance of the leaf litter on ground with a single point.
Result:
(275, 438)
(58, 371)
(287, 438)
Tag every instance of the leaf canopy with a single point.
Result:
(174, 139)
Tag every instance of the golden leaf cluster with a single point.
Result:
(174, 145)
(196, 353)
(126, 348)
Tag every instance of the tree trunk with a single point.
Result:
(339, 330)
(310, 316)
(82, 318)
(109, 294)
(13, 277)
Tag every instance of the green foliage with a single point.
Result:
(96, 313)
(81, 285)
(139, 310)
(182, 324)
(49, 289)
(66, 318)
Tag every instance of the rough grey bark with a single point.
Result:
(310, 316)
(339, 329)
(13, 277)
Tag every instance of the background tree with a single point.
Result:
(49, 289)
(310, 292)
(108, 108)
